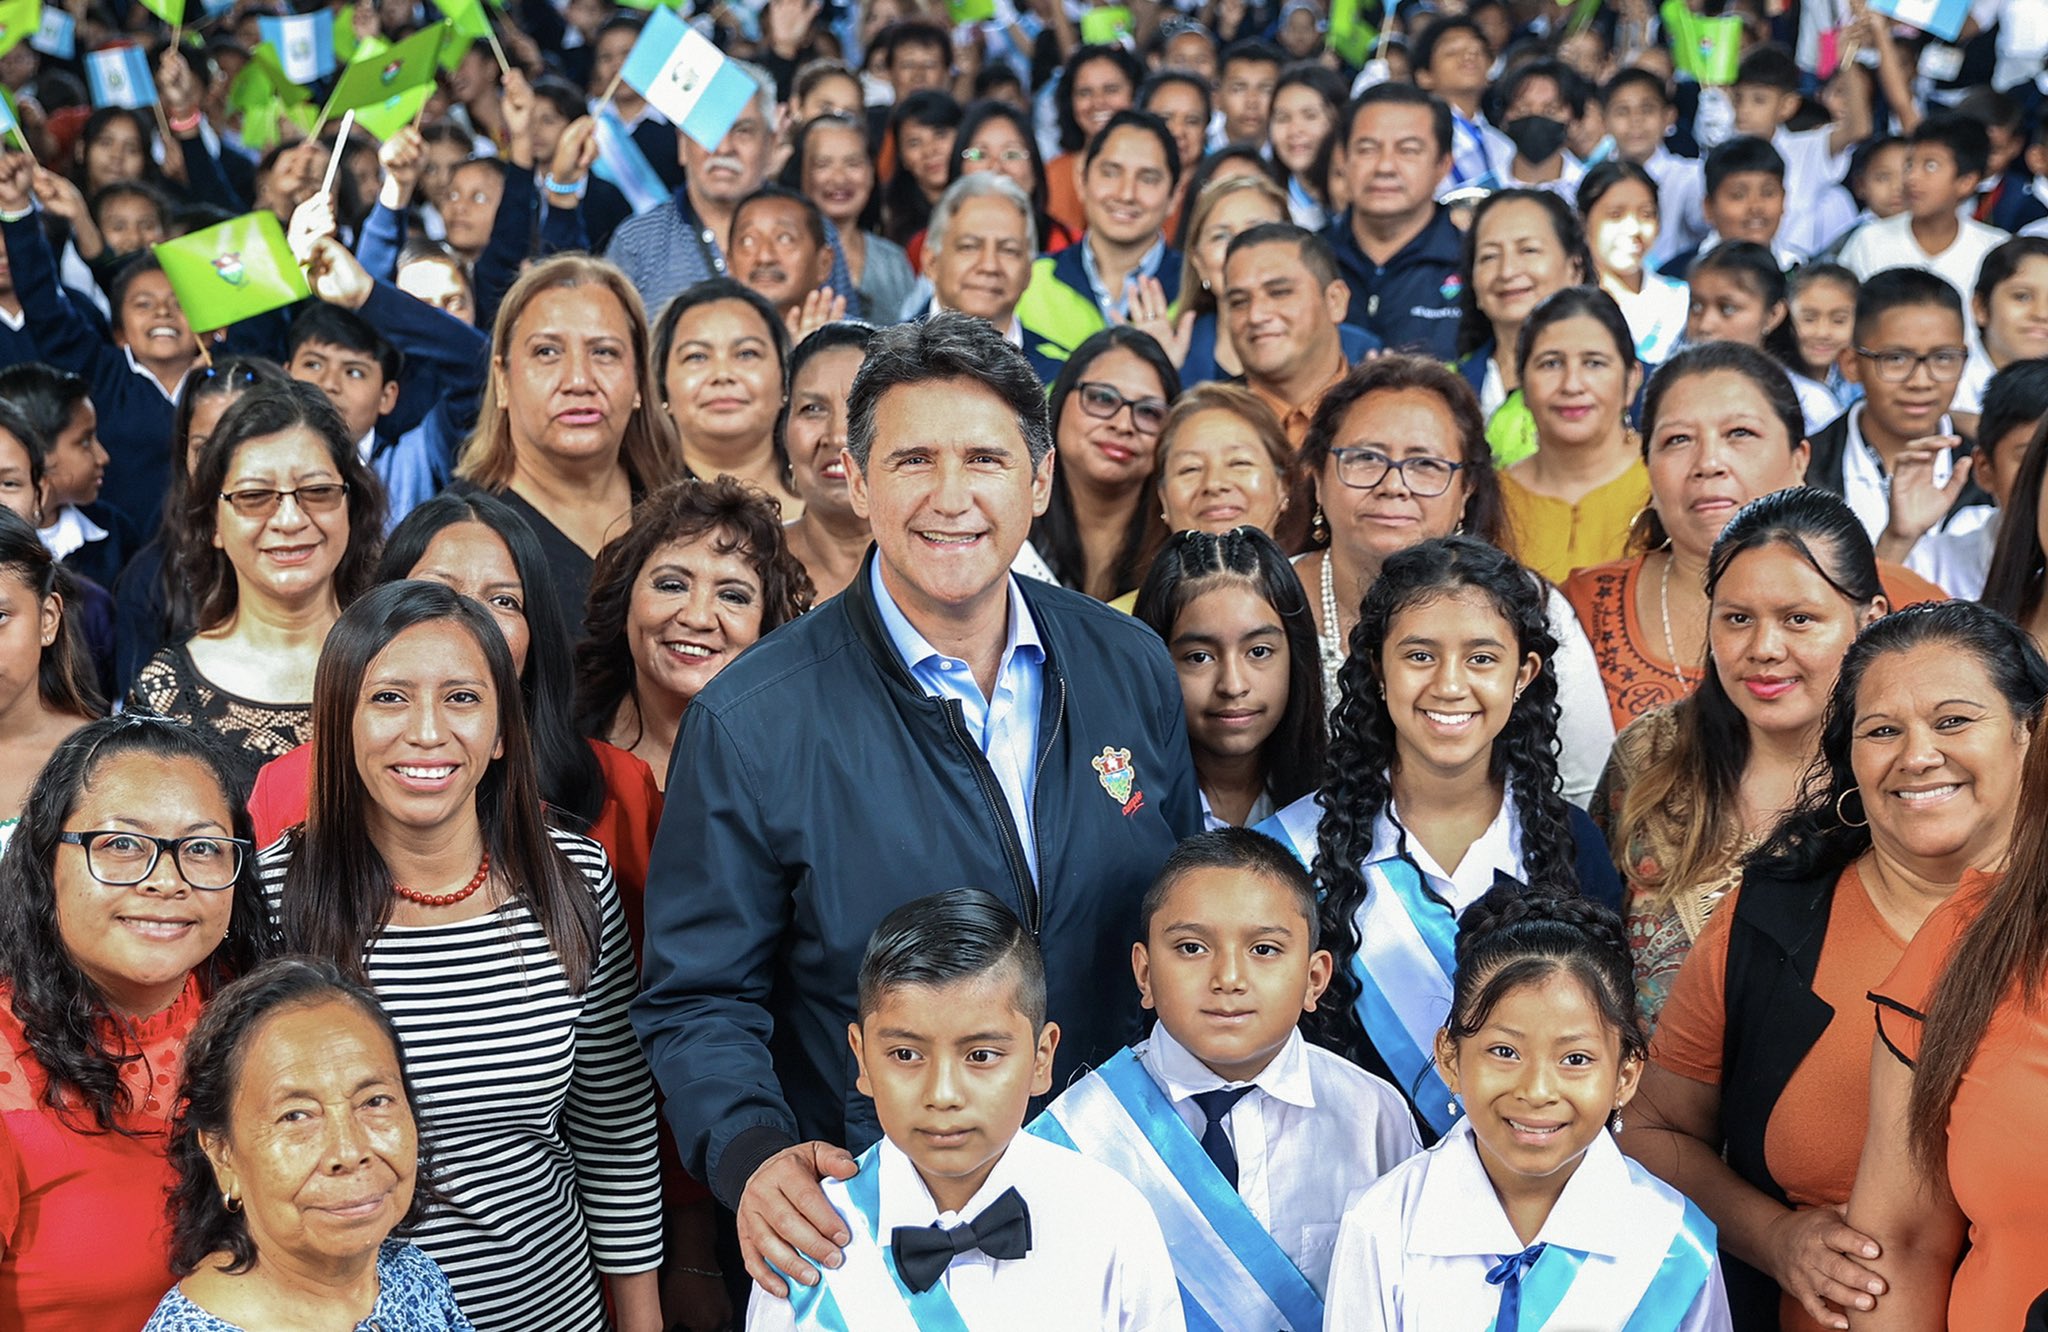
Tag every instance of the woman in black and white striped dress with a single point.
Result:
(498, 946)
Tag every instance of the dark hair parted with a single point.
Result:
(979, 113)
(1144, 122)
(905, 209)
(1403, 94)
(2003, 262)
(215, 1056)
(1192, 563)
(47, 396)
(1358, 782)
(1072, 136)
(262, 411)
(1057, 533)
(1572, 303)
(1813, 838)
(839, 333)
(962, 934)
(948, 346)
(1474, 328)
(570, 780)
(2013, 583)
(337, 888)
(64, 1017)
(2000, 952)
(1755, 269)
(1244, 850)
(64, 675)
(870, 218)
(714, 291)
(1768, 377)
(1513, 937)
(1486, 515)
(1693, 792)
(737, 519)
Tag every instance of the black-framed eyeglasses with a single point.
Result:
(322, 498)
(1945, 364)
(1103, 402)
(121, 858)
(1362, 469)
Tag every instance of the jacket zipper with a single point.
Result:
(992, 795)
(1059, 717)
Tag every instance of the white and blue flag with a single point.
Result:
(304, 44)
(119, 76)
(691, 82)
(56, 35)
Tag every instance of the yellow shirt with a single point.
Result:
(1554, 537)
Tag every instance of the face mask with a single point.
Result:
(1536, 138)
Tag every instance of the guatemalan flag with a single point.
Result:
(119, 76)
(304, 44)
(687, 79)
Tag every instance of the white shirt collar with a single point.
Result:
(907, 1202)
(14, 322)
(1284, 1078)
(1014, 334)
(1498, 848)
(71, 530)
(1448, 1223)
(170, 394)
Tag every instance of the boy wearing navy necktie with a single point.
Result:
(958, 1223)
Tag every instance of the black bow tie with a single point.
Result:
(1003, 1230)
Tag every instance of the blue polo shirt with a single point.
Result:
(1410, 303)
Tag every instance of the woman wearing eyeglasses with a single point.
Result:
(996, 136)
(1099, 532)
(284, 520)
(1397, 454)
(127, 900)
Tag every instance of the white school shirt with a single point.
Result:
(1316, 1131)
(1864, 483)
(1416, 1247)
(1681, 212)
(1498, 848)
(1097, 1259)
(1656, 315)
(1957, 559)
(1811, 167)
(1889, 243)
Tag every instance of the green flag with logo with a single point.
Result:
(19, 20)
(230, 272)
(1708, 49)
(383, 119)
(405, 66)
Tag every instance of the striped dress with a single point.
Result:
(535, 1103)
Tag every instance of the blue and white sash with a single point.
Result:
(1407, 954)
(865, 1293)
(1233, 1276)
(620, 161)
(1565, 1289)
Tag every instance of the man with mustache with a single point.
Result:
(779, 247)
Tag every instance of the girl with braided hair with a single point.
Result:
(1236, 623)
(1441, 781)
(1526, 1213)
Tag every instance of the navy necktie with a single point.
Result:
(1215, 1107)
(1003, 1230)
(1508, 1274)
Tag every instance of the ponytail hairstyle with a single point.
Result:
(1358, 777)
(1809, 275)
(1291, 760)
(1687, 803)
(1756, 269)
(1511, 938)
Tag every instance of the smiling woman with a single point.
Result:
(719, 350)
(297, 1152)
(830, 538)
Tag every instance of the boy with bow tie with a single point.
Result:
(958, 1222)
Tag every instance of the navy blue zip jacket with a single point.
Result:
(1410, 303)
(814, 788)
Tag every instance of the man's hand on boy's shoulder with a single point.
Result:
(785, 1218)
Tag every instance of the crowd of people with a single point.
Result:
(1222, 664)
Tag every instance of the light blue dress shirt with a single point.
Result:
(1005, 728)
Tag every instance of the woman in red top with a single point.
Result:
(479, 546)
(1956, 1086)
(128, 897)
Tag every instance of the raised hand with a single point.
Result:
(1150, 312)
(403, 157)
(820, 308)
(311, 221)
(1917, 503)
(335, 276)
(575, 152)
(515, 99)
(17, 177)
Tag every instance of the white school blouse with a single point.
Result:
(1416, 1247)
(1316, 1131)
(1097, 1259)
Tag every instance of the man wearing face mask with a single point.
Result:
(1540, 102)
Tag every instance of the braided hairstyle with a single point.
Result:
(1514, 937)
(1358, 779)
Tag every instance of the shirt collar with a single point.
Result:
(906, 1201)
(147, 374)
(71, 530)
(16, 322)
(1498, 848)
(1014, 335)
(915, 649)
(1284, 1078)
(1115, 302)
(1585, 1218)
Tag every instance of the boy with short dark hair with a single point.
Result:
(1945, 160)
(1246, 1140)
(1766, 96)
(1745, 201)
(1893, 456)
(957, 1220)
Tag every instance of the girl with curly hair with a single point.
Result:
(1442, 780)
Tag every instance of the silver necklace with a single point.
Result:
(1331, 641)
(1664, 606)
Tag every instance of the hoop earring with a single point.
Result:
(1863, 822)
(229, 1202)
(1319, 528)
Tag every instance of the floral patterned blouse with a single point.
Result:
(413, 1296)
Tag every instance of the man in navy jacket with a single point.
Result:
(940, 723)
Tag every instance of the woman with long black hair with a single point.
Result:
(1442, 778)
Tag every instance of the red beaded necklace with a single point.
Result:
(483, 872)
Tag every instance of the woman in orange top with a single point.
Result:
(1752, 1104)
(476, 544)
(1721, 426)
(1098, 82)
(1954, 1090)
(128, 898)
